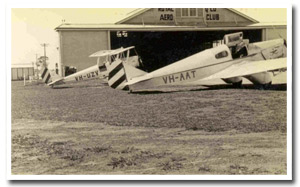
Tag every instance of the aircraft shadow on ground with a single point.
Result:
(278, 87)
(61, 87)
(79, 86)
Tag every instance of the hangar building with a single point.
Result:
(160, 35)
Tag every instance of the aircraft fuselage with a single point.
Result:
(201, 65)
(89, 73)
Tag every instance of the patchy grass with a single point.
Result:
(245, 110)
(47, 147)
(89, 128)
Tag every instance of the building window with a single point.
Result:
(193, 12)
(188, 12)
(184, 12)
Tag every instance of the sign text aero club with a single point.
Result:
(168, 16)
(211, 14)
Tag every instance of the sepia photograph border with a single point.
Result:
(57, 4)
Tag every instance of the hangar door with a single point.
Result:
(158, 49)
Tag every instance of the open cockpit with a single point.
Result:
(237, 45)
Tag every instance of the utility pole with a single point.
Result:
(45, 45)
(35, 67)
(36, 59)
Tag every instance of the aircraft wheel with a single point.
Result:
(267, 86)
(264, 86)
(237, 84)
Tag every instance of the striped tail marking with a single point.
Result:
(46, 77)
(117, 76)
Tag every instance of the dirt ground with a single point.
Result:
(89, 128)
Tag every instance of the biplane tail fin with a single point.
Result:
(45, 75)
(119, 73)
(50, 77)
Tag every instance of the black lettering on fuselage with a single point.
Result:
(188, 75)
(193, 72)
(79, 78)
(165, 79)
(171, 78)
(181, 77)
(93, 74)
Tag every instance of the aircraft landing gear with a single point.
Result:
(264, 86)
(267, 86)
(237, 84)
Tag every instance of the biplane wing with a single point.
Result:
(103, 53)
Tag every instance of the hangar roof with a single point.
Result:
(124, 24)
(139, 11)
(22, 65)
(117, 27)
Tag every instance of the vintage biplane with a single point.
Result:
(104, 59)
(231, 62)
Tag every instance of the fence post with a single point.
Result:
(24, 79)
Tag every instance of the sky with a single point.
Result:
(30, 27)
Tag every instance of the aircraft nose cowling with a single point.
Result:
(260, 78)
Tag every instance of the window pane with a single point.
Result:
(221, 54)
(185, 12)
(192, 12)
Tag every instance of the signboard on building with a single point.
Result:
(167, 14)
(212, 14)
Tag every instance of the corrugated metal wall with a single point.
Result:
(77, 46)
(18, 73)
(274, 33)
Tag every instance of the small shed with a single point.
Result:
(19, 70)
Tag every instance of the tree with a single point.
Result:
(42, 61)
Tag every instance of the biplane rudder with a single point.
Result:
(50, 77)
(119, 73)
(45, 75)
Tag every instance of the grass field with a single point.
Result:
(89, 128)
